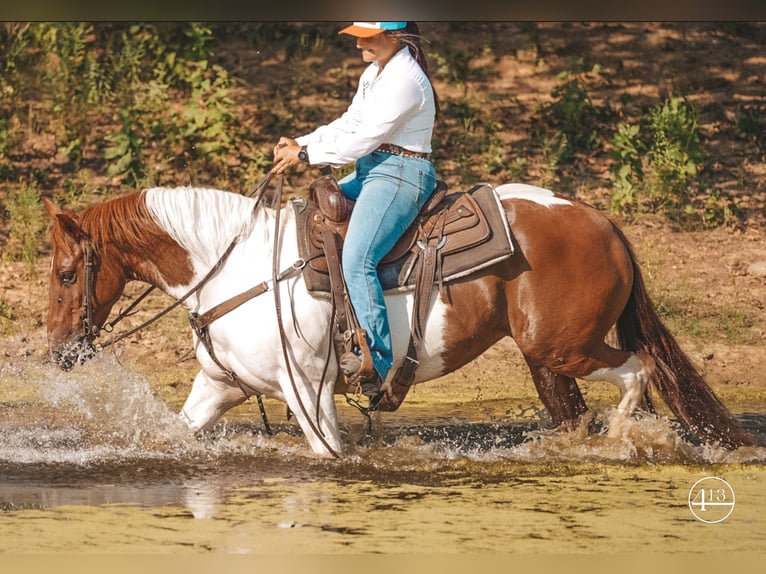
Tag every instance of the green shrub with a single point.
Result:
(127, 150)
(675, 153)
(627, 172)
(662, 171)
(26, 224)
(574, 116)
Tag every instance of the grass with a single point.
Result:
(686, 311)
(26, 224)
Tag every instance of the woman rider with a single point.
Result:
(386, 131)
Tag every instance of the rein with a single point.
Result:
(90, 331)
(278, 305)
(200, 323)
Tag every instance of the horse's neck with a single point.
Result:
(204, 223)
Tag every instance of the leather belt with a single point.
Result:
(399, 150)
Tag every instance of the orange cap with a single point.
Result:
(369, 29)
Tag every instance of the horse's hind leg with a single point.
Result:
(560, 395)
(630, 372)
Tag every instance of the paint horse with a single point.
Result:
(572, 278)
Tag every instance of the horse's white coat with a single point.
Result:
(400, 307)
(631, 378)
(247, 340)
(533, 193)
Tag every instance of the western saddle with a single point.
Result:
(439, 246)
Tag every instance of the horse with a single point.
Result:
(573, 279)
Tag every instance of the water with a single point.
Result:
(93, 461)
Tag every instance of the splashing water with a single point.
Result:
(643, 438)
(602, 437)
(101, 412)
(120, 471)
(97, 412)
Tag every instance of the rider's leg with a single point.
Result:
(389, 191)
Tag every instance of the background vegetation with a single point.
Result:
(91, 110)
(660, 124)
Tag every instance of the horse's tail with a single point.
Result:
(683, 389)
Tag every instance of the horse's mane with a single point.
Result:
(203, 221)
(123, 220)
(200, 219)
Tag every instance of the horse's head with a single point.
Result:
(83, 288)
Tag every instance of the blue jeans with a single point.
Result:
(389, 191)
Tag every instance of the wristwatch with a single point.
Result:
(303, 154)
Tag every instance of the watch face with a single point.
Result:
(302, 155)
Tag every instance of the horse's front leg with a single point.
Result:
(319, 425)
(208, 400)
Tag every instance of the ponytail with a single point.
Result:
(410, 37)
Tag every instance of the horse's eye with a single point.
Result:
(67, 277)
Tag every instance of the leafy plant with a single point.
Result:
(627, 173)
(208, 112)
(127, 149)
(661, 171)
(751, 126)
(493, 154)
(719, 209)
(455, 67)
(555, 149)
(199, 37)
(518, 168)
(573, 114)
(675, 153)
(26, 223)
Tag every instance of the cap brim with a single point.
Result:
(360, 31)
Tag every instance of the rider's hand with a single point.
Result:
(285, 155)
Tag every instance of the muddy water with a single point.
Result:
(93, 462)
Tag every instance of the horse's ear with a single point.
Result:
(66, 220)
(53, 209)
(70, 226)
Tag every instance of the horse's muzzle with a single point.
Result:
(76, 353)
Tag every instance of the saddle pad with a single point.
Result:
(493, 246)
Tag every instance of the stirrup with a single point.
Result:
(371, 385)
(349, 363)
(368, 383)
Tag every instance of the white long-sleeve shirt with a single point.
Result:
(394, 105)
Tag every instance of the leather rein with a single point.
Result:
(90, 331)
(201, 322)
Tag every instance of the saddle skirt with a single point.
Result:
(469, 229)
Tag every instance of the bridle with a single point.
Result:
(89, 329)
